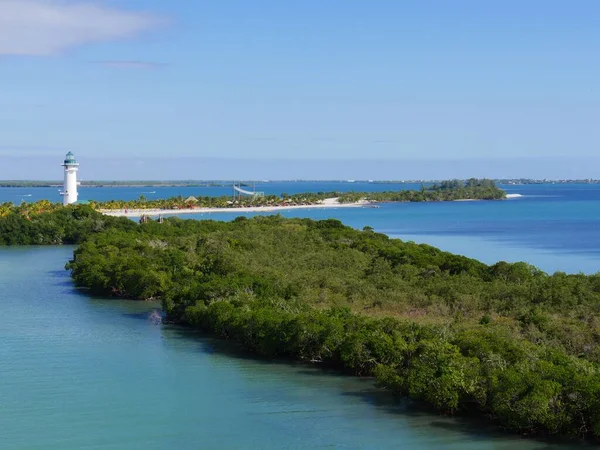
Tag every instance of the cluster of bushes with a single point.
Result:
(525, 387)
(507, 340)
(51, 224)
(472, 189)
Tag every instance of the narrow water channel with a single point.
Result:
(84, 373)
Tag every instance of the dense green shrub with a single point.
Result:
(411, 315)
(27, 225)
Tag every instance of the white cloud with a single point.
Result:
(47, 27)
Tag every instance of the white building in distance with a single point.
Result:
(69, 192)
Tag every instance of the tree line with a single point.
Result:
(506, 340)
(46, 223)
(472, 189)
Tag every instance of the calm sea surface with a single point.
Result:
(80, 372)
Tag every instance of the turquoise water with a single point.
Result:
(88, 373)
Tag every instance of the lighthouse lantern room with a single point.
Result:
(70, 187)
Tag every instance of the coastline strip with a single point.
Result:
(327, 203)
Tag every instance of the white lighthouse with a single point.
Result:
(70, 188)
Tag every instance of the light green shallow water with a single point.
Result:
(77, 373)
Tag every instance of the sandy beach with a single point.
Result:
(327, 203)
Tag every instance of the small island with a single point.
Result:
(454, 190)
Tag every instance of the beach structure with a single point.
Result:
(238, 192)
(69, 191)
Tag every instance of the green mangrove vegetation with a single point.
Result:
(46, 223)
(506, 340)
(472, 189)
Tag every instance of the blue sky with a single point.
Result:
(274, 89)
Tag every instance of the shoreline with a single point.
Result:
(327, 203)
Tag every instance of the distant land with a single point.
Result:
(225, 183)
(133, 183)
